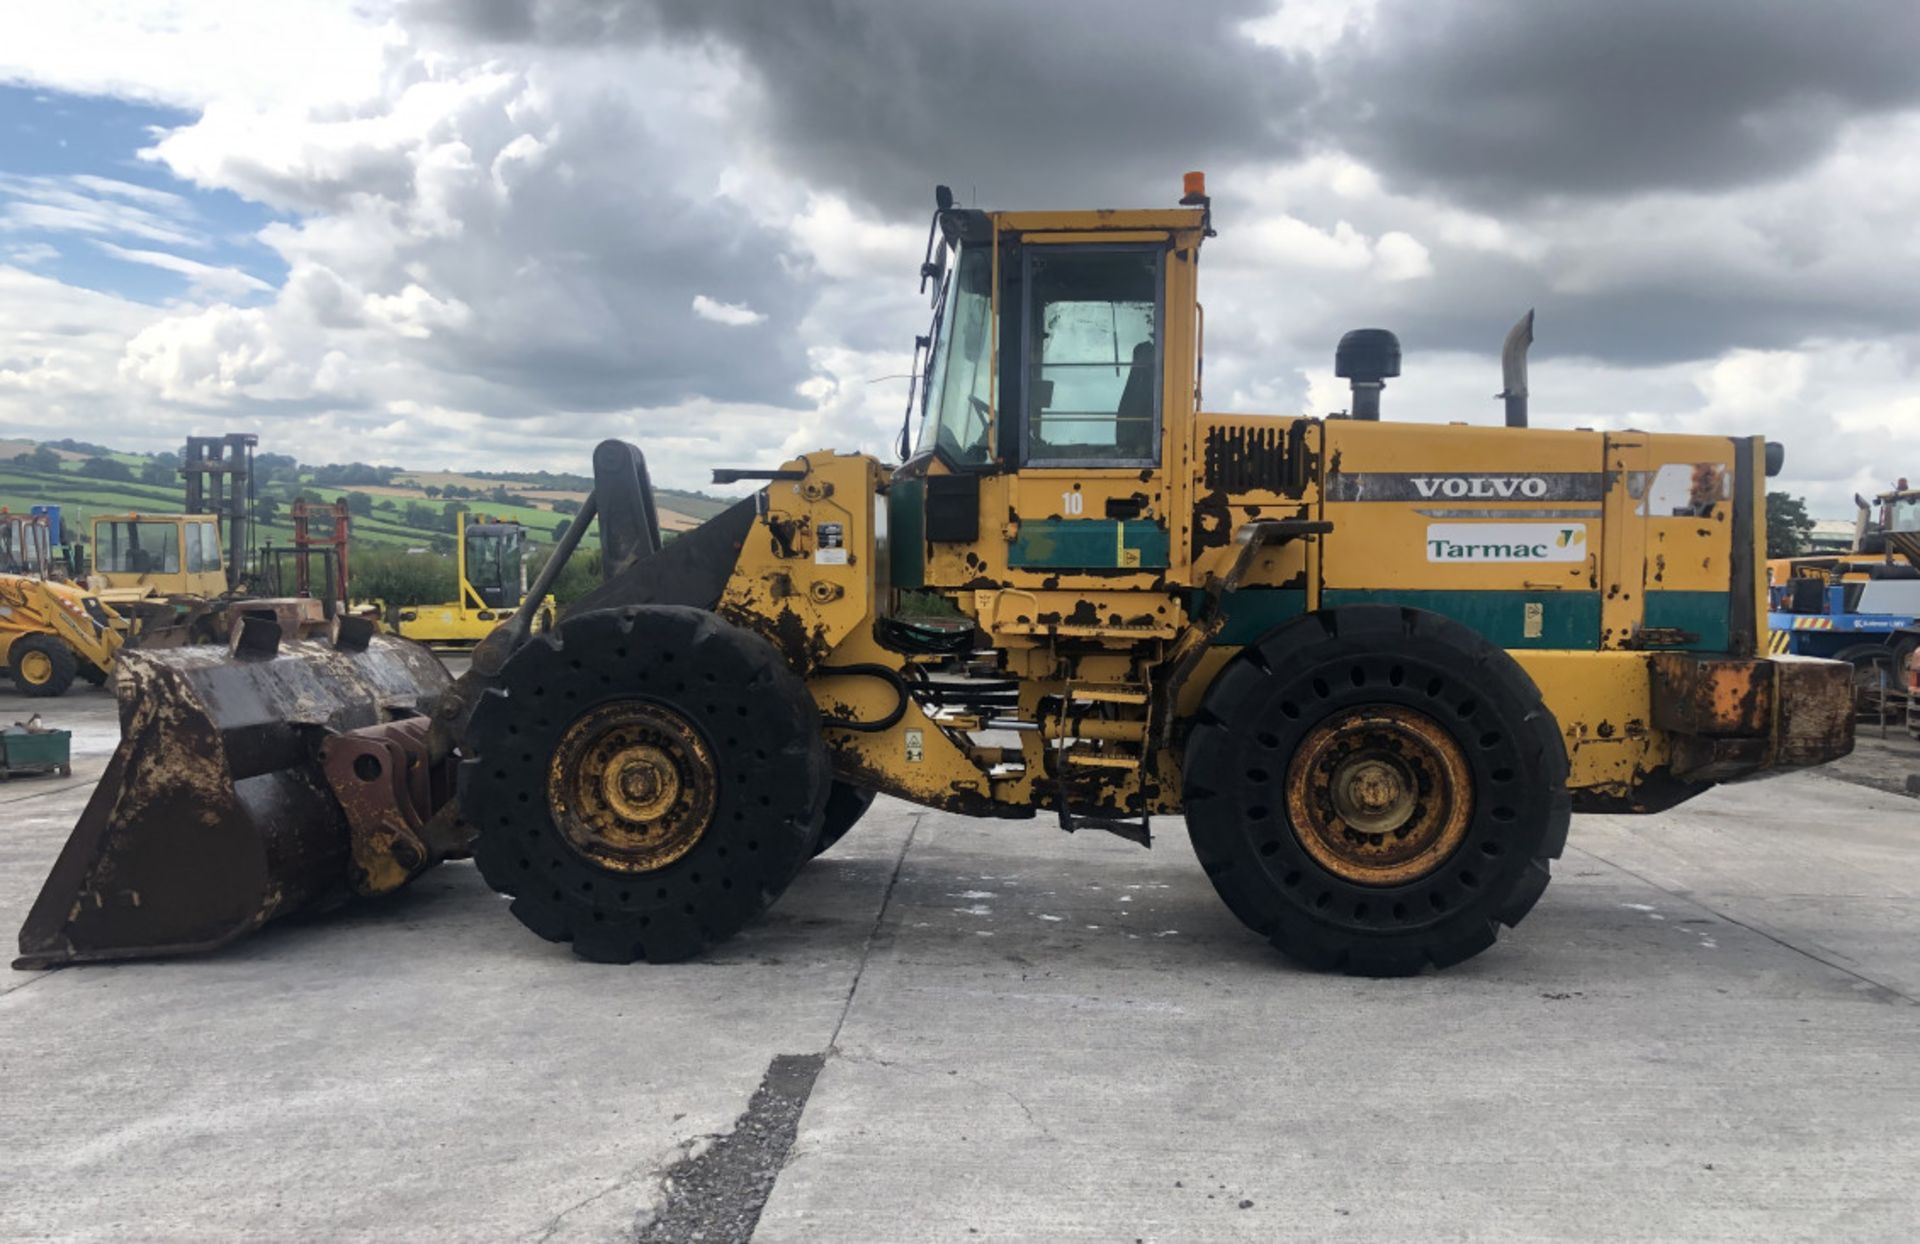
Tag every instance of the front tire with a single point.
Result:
(43, 666)
(1376, 789)
(644, 782)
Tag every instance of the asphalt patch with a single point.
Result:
(718, 1196)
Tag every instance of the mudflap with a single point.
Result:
(219, 811)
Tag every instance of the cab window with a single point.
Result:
(959, 392)
(203, 548)
(1092, 355)
(134, 547)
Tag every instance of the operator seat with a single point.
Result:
(1133, 434)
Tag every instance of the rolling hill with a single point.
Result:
(396, 508)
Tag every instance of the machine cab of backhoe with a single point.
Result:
(1060, 384)
(26, 545)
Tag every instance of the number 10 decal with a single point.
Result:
(1072, 503)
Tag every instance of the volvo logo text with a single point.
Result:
(1484, 486)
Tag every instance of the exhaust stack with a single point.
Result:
(1368, 357)
(1513, 369)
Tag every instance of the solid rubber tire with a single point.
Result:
(846, 804)
(1271, 695)
(758, 721)
(65, 666)
(1865, 659)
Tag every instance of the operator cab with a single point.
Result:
(170, 554)
(25, 545)
(1060, 383)
(1082, 364)
(495, 563)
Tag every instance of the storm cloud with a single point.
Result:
(509, 227)
(1072, 103)
(1505, 102)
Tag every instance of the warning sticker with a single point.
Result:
(830, 545)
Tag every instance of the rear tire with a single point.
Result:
(43, 666)
(745, 782)
(1480, 776)
(1871, 663)
(846, 804)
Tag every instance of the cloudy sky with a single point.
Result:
(490, 232)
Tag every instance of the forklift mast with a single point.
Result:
(219, 480)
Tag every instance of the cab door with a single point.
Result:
(1093, 418)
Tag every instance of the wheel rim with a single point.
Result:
(1380, 795)
(632, 786)
(36, 668)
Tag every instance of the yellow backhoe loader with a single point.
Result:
(51, 632)
(1376, 666)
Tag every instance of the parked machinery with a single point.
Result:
(490, 568)
(1860, 606)
(1375, 665)
(182, 578)
(51, 631)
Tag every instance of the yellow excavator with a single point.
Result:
(51, 632)
(490, 565)
(1374, 666)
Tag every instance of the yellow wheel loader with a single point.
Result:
(50, 632)
(1376, 666)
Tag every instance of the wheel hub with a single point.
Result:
(632, 786)
(36, 668)
(640, 784)
(1379, 795)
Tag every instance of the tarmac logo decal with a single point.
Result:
(1506, 542)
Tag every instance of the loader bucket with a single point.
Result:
(215, 814)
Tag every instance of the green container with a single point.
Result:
(26, 753)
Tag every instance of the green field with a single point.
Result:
(82, 497)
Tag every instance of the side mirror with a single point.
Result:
(938, 273)
(1043, 394)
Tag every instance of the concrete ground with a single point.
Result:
(1707, 1030)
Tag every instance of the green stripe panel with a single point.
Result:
(1704, 615)
(907, 533)
(1252, 611)
(1567, 619)
(1088, 543)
